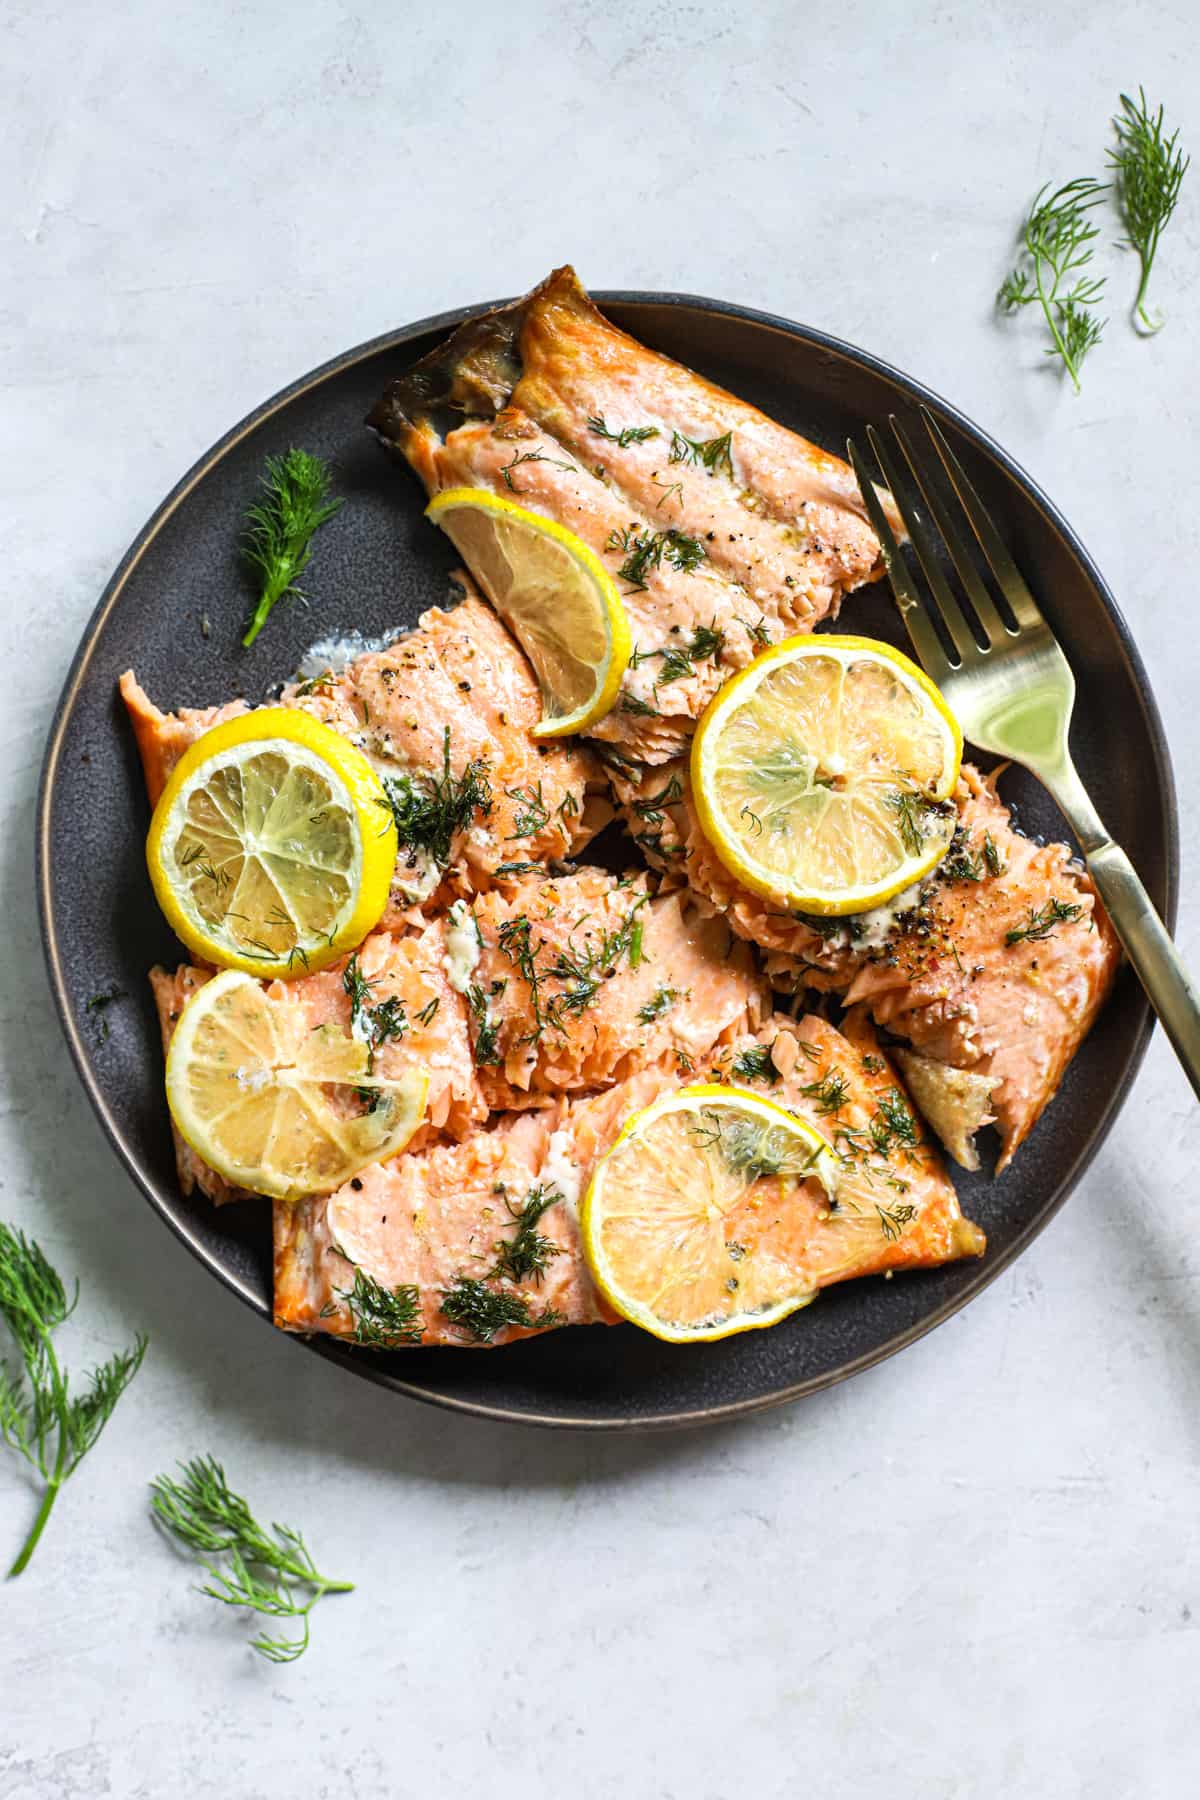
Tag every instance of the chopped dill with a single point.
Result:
(663, 999)
(874, 1065)
(830, 1093)
(992, 858)
(371, 1025)
(755, 1064)
(527, 1253)
(529, 456)
(382, 1317)
(630, 703)
(98, 1005)
(893, 1219)
(759, 634)
(712, 454)
(646, 551)
(534, 814)
(487, 1031)
(483, 1311)
(519, 868)
(430, 809)
(622, 438)
(428, 1013)
(893, 1124)
(650, 808)
(912, 815)
(1042, 922)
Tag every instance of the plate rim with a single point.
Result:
(990, 1269)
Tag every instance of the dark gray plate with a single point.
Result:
(377, 566)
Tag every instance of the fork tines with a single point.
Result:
(921, 506)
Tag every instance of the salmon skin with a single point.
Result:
(993, 971)
(431, 1228)
(451, 702)
(725, 530)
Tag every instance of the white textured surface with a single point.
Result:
(974, 1571)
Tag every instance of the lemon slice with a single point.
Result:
(819, 770)
(272, 847)
(555, 596)
(695, 1222)
(275, 1106)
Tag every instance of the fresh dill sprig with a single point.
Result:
(1057, 239)
(622, 438)
(280, 528)
(267, 1572)
(482, 1311)
(39, 1417)
(1148, 169)
(382, 1317)
(708, 453)
(1041, 923)
(526, 1253)
(430, 809)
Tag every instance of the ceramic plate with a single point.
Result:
(174, 610)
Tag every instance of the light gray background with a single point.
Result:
(974, 1571)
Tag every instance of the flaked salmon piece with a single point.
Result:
(434, 1225)
(896, 1208)
(1002, 973)
(172, 989)
(657, 807)
(454, 702)
(413, 969)
(162, 737)
(727, 531)
(778, 516)
(933, 965)
(582, 979)
(512, 456)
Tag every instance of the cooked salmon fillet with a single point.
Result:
(582, 979)
(452, 697)
(896, 1208)
(726, 530)
(1000, 975)
(1007, 1018)
(412, 968)
(431, 1227)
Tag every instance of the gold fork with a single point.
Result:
(1013, 694)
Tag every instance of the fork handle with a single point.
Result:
(1158, 964)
